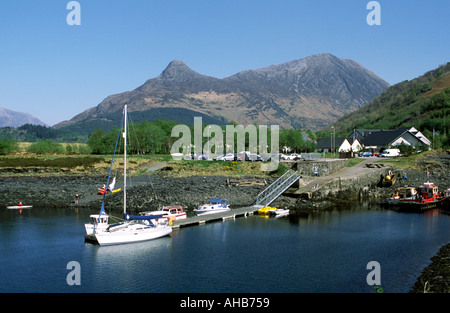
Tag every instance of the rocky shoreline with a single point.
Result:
(435, 278)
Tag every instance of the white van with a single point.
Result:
(391, 153)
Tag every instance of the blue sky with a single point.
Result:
(54, 71)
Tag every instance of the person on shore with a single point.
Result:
(76, 199)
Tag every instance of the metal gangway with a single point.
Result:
(279, 186)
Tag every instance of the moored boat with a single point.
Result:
(265, 210)
(171, 212)
(134, 228)
(279, 212)
(213, 206)
(418, 199)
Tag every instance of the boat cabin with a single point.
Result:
(428, 192)
(406, 193)
(99, 219)
(173, 209)
(218, 202)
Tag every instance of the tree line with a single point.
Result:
(155, 138)
(149, 138)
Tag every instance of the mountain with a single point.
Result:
(309, 93)
(423, 102)
(10, 118)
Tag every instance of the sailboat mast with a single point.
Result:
(125, 162)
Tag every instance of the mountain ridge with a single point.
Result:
(9, 118)
(306, 93)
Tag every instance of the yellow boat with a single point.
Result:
(265, 210)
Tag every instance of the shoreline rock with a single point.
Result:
(435, 278)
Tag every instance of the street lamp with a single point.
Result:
(333, 143)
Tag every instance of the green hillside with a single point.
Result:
(423, 102)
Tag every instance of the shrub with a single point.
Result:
(7, 146)
(46, 147)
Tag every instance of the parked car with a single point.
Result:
(265, 158)
(241, 156)
(292, 156)
(253, 157)
(365, 154)
(225, 157)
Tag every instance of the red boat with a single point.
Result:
(427, 197)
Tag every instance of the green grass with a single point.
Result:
(136, 164)
(49, 161)
(408, 161)
(228, 168)
(353, 161)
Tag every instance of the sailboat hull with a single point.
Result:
(127, 235)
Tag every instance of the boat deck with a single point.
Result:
(198, 220)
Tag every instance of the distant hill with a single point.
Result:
(10, 118)
(309, 93)
(423, 102)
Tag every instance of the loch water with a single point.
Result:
(323, 252)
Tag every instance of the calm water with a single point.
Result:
(325, 253)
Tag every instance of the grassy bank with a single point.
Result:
(412, 161)
(213, 168)
(137, 165)
(59, 164)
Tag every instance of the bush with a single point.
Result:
(78, 149)
(7, 146)
(46, 147)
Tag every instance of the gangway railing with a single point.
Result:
(279, 186)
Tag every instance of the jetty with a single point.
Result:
(202, 219)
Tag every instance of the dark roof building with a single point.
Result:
(383, 139)
(336, 144)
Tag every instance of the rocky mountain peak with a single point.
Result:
(307, 93)
(178, 71)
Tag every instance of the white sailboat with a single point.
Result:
(134, 228)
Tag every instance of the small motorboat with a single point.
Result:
(214, 206)
(267, 210)
(279, 212)
(171, 212)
